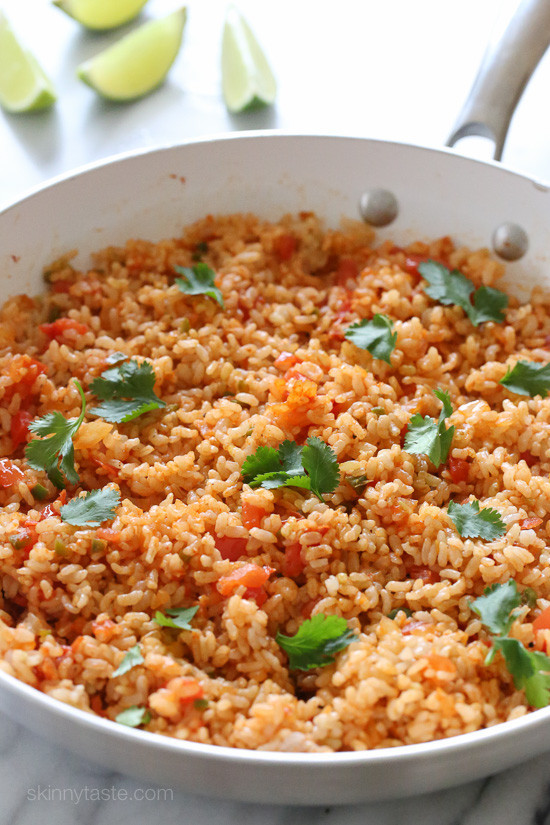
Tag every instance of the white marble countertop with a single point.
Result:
(394, 70)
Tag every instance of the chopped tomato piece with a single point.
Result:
(251, 515)
(542, 622)
(20, 428)
(530, 523)
(249, 575)
(26, 538)
(529, 459)
(418, 572)
(300, 393)
(105, 629)
(258, 594)
(284, 247)
(50, 510)
(279, 389)
(97, 705)
(458, 469)
(411, 263)
(338, 408)
(288, 418)
(285, 361)
(9, 473)
(293, 563)
(231, 547)
(347, 270)
(58, 328)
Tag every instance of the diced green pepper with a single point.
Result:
(98, 545)
(393, 613)
(20, 540)
(39, 492)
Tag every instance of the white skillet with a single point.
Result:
(153, 195)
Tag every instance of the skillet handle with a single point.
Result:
(504, 73)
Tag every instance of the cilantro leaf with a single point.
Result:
(133, 717)
(290, 455)
(132, 657)
(528, 378)
(270, 481)
(264, 460)
(445, 399)
(320, 463)
(359, 482)
(126, 392)
(428, 437)
(312, 467)
(529, 597)
(375, 335)
(55, 452)
(471, 522)
(488, 305)
(317, 641)
(445, 286)
(496, 607)
(176, 617)
(452, 287)
(91, 509)
(537, 687)
(530, 669)
(116, 358)
(517, 657)
(199, 280)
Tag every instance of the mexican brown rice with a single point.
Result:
(272, 365)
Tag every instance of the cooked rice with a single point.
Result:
(68, 617)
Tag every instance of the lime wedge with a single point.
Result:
(23, 84)
(247, 79)
(137, 63)
(101, 14)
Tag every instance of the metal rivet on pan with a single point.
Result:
(378, 207)
(510, 241)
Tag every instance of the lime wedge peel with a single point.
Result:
(137, 63)
(101, 15)
(247, 79)
(24, 86)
